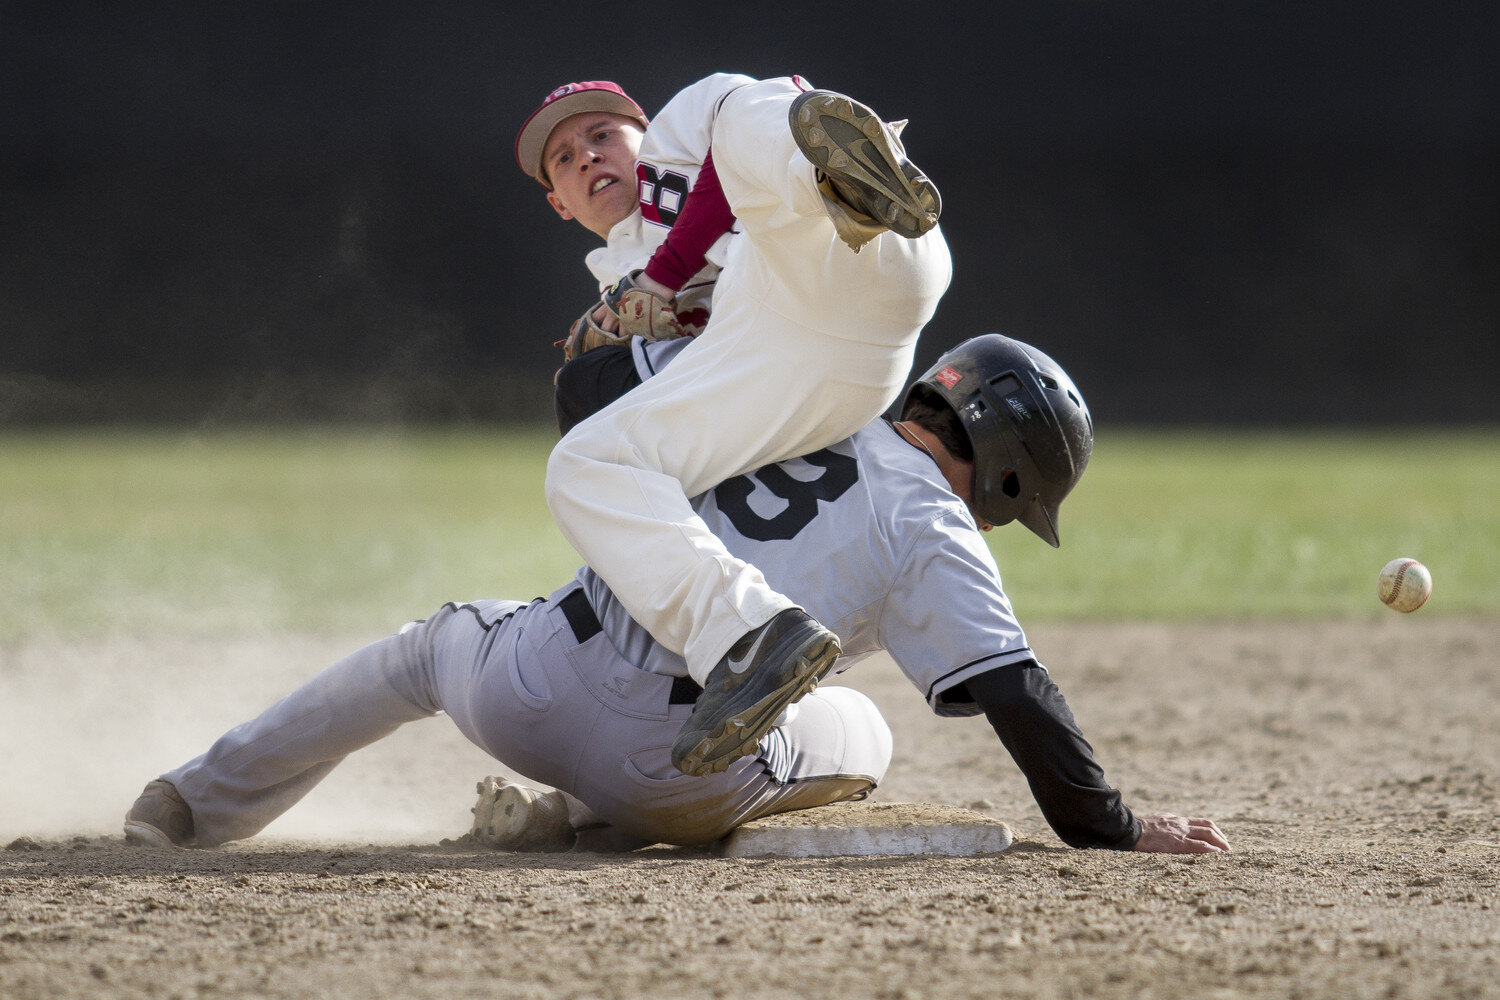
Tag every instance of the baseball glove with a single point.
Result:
(585, 335)
(642, 314)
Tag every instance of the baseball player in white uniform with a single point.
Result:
(836, 265)
(878, 533)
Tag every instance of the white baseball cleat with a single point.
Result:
(510, 816)
(160, 818)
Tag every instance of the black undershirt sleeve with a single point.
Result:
(591, 382)
(1031, 718)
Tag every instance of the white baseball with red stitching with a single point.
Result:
(1405, 585)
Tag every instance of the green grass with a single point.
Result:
(317, 530)
(157, 533)
(1266, 525)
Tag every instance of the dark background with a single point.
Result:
(1210, 213)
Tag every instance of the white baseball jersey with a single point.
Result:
(869, 539)
(671, 156)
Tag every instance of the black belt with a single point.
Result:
(685, 691)
(580, 615)
(585, 625)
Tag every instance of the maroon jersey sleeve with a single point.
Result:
(705, 216)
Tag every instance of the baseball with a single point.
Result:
(1404, 585)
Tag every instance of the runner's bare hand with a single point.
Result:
(1165, 833)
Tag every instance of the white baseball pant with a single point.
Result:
(540, 689)
(807, 343)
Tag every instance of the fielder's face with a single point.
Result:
(590, 161)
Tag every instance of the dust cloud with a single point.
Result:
(84, 725)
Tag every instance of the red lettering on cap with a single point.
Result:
(949, 376)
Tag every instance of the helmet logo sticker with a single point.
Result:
(1018, 408)
(949, 376)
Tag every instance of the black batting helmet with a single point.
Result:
(1029, 426)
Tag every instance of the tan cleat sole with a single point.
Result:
(865, 161)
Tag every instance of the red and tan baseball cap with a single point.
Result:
(564, 102)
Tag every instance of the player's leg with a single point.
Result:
(835, 747)
(800, 265)
(618, 483)
(261, 768)
(557, 703)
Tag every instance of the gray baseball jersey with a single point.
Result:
(866, 533)
(869, 539)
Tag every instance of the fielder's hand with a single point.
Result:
(1168, 834)
(589, 331)
(642, 308)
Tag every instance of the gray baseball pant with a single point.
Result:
(541, 689)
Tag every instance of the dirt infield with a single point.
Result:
(1354, 767)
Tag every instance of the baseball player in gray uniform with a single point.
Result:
(879, 534)
(835, 265)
